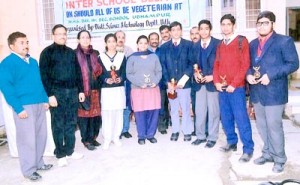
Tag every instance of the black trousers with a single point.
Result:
(64, 120)
(89, 128)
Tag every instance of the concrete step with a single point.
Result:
(293, 105)
(295, 83)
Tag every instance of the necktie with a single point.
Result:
(175, 44)
(204, 45)
(226, 41)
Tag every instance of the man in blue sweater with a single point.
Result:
(22, 88)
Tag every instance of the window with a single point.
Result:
(293, 23)
(228, 7)
(208, 13)
(48, 18)
(252, 11)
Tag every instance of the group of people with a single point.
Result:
(86, 88)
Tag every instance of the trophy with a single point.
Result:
(113, 73)
(147, 80)
(172, 94)
(256, 73)
(223, 82)
(197, 72)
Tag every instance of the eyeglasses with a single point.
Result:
(264, 23)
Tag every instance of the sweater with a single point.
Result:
(21, 82)
(232, 63)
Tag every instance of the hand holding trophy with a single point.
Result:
(113, 73)
(172, 94)
(224, 82)
(256, 73)
(198, 73)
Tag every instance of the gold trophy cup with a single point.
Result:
(173, 94)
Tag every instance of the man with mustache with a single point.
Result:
(121, 47)
(21, 84)
(62, 79)
(164, 31)
(194, 34)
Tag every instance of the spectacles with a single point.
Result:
(264, 23)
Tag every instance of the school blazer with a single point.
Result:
(278, 59)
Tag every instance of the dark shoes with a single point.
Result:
(34, 176)
(198, 141)
(245, 158)
(194, 133)
(45, 167)
(187, 137)
(163, 132)
(152, 140)
(174, 136)
(141, 141)
(278, 167)
(126, 135)
(228, 148)
(96, 143)
(210, 144)
(261, 160)
(89, 146)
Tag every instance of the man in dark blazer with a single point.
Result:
(174, 57)
(207, 100)
(273, 58)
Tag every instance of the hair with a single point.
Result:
(205, 21)
(162, 27)
(153, 33)
(58, 26)
(267, 14)
(228, 16)
(142, 37)
(193, 28)
(175, 23)
(14, 36)
(120, 31)
(79, 33)
(109, 36)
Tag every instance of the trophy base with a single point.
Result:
(224, 87)
(172, 96)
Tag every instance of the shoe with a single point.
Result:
(105, 146)
(210, 144)
(89, 146)
(194, 133)
(278, 167)
(228, 148)
(75, 156)
(187, 137)
(245, 158)
(62, 162)
(174, 136)
(96, 143)
(163, 132)
(34, 176)
(261, 160)
(141, 141)
(153, 140)
(45, 167)
(198, 141)
(117, 143)
(126, 135)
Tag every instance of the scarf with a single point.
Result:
(96, 67)
(140, 53)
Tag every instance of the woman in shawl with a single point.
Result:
(89, 119)
(144, 71)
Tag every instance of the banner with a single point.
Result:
(102, 16)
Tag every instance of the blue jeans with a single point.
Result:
(126, 120)
(233, 109)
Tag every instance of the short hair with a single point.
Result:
(175, 23)
(267, 14)
(142, 37)
(205, 21)
(162, 27)
(79, 33)
(153, 33)
(228, 16)
(58, 26)
(14, 36)
(193, 28)
(120, 31)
